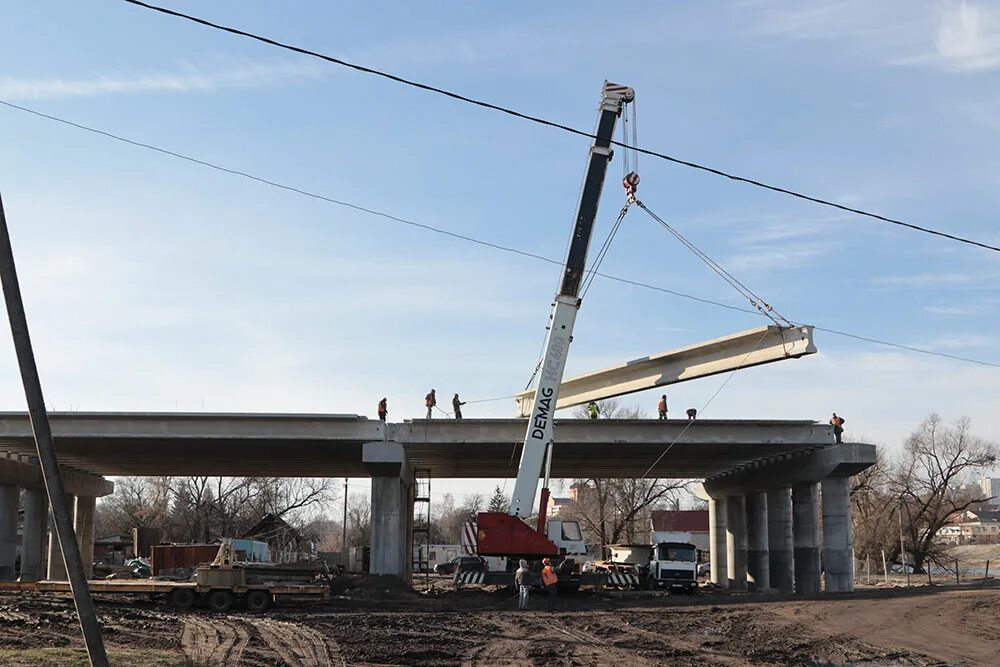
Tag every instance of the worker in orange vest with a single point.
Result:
(661, 407)
(549, 581)
(383, 408)
(430, 400)
(838, 426)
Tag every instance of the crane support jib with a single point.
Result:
(539, 430)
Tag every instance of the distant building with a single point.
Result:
(971, 527)
(991, 489)
(284, 543)
(677, 525)
(557, 505)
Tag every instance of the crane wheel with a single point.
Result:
(259, 601)
(220, 601)
(182, 598)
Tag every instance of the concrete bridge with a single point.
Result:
(770, 482)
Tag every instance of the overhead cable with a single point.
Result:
(462, 237)
(553, 124)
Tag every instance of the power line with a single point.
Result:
(462, 237)
(560, 126)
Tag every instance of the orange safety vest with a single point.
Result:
(548, 576)
(381, 406)
(662, 405)
(430, 401)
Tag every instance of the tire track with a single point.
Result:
(298, 645)
(213, 642)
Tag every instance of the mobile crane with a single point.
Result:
(505, 533)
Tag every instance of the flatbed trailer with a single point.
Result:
(184, 594)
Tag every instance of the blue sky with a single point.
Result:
(154, 284)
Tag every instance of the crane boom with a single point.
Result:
(539, 435)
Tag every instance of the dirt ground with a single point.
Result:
(381, 625)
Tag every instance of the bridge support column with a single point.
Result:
(717, 540)
(758, 573)
(36, 513)
(805, 529)
(392, 508)
(83, 526)
(57, 565)
(9, 497)
(779, 539)
(838, 552)
(736, 542)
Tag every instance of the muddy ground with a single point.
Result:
(386, 626)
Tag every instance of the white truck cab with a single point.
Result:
(674, 565)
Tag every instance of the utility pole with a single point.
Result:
(343, 541)
(902, 544)
(46, 450)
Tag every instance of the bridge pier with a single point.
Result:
(736, 542)
(758, 556)
(779, 538)
(838, 543)
(805, 534)
(36, 513)
(391, 508)
(717, 513)
(9, 500)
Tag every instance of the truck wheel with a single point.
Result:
(259, 601)
(220, 601)
(182, 598)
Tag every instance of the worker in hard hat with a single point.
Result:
(456, 406)
(593, 410)
(549, 581)
(383, 408)
(431, 401)
(522, 580)
(661, 407)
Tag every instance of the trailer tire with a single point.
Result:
(220, 601)
(182, 598)
(259, 601)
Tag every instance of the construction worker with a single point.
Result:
(838, 426)
(431, 401)
(522, 579)
(593, 410)
(456, 405)
(661, 407)
(549, 581)
(383, 408)
(692, 414)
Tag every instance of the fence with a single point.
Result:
(881, 572)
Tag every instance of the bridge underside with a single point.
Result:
(331, 445)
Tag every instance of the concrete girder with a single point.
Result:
(839, 460)
(753, 347)
(29, 476)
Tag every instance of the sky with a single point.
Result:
(157, 284)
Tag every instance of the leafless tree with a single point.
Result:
(359, 520)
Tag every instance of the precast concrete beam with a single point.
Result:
(391, 508)
(780, 539)
(25, 475)
(753, 347)
(805, 536)
(838, 543)
(9, 501)
(717, 514)
(33, 536)
(736, 542)
(758, 573)
(840, 460)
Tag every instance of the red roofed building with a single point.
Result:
(692, 524)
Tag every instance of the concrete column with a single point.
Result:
(838, 551)
(57, 565)
(717, 540)
(736, 542)
(83, 526)
(33, 536)
(779, 539)
(758, 574)
(9, 500)
(805, 536)
(392, 508)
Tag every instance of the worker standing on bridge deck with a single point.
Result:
(383, 408)
(431, 401)
(456, 406)
(549, 581)
(838, 426)
(593, 410)
(522, 579)
(692, 414)
(661, 407)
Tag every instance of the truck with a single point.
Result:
(508, 534)
(671, 564)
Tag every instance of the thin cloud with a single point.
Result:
(190, 78)
(967, 39)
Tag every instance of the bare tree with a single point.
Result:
(929, 481)
(137, 501)
(873, 511)
(359, 520)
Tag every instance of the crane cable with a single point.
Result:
(605, 247)
(755, 300)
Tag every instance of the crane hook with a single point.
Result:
(631, 184)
